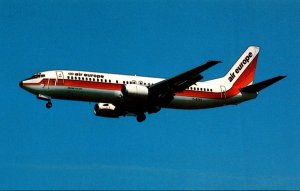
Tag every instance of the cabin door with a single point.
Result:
(223, 92)
(59, 78)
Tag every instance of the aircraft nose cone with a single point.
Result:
(21, 84)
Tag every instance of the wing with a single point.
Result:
(166, 89)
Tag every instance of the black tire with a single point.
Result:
(48, 105)
(141, 117)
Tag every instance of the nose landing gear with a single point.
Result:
(49, 104)
(46, 98)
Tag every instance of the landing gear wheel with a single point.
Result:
(141, 117)
(49, 105)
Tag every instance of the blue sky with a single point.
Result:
(251, 146)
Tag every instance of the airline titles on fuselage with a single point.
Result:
(85, 75)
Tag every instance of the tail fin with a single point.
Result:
(242, 72)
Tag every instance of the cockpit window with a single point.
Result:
(37, 76)
(34, 76)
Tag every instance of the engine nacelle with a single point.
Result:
(107, 110)
(135, 91)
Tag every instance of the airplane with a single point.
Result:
(118, 95)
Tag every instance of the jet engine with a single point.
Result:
(135, 91)
(107, 110)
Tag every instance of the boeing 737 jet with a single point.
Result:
(118, 95)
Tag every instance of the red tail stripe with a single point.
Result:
(244, 80)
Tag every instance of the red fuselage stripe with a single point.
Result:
(116, 87)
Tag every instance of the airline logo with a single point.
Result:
(239, 68)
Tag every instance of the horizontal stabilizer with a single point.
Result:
(261, 85)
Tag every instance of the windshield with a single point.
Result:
(37, 76)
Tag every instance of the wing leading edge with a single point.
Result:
(166, 89)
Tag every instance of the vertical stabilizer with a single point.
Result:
(242, 72)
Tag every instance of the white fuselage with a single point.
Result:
(106, 88)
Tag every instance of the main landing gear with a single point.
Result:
(141, 117)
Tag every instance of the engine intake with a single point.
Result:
(107, 110)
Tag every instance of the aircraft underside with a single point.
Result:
(131, 107)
